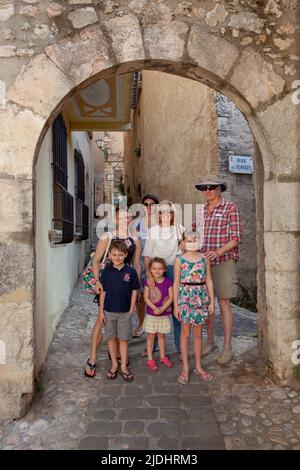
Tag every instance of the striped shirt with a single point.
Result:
(221, 226)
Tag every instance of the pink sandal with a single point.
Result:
(151, 364)
(166, 362)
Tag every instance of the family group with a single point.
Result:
(170, 277)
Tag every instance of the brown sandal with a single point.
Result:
(112, 374)
(127, 376)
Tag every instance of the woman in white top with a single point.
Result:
(122, 220)
(164, 241)
(140, 228)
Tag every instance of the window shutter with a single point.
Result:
(85, 222)
(79, 176)
(60, 153)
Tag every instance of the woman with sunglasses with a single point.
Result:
(133, 244)
(140, 229)
(164, 241)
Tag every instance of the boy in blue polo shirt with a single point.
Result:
(117, 302)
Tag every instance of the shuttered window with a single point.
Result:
(82, 210)
(63, 202)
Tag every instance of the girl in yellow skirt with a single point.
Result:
(157, 321)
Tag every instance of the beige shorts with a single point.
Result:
(225, 280)
(117, 325)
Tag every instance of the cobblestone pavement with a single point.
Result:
(239, 409)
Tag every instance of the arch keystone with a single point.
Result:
(166, 41)
(126, 38)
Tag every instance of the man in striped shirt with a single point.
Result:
(222, 233)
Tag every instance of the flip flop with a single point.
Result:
(112, 374)
(127, 376)
(92, 368)
(206, 376)
(137, 332)
(183, 379)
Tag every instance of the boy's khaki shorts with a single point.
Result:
(225, 280)
(117, 325)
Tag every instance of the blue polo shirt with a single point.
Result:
(118, 285)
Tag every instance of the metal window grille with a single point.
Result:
(64, 220)
(79, 176)
(60, 152)
(85, 222)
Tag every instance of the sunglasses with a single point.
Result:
(208, 187)
(148, 204)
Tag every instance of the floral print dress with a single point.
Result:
(193, 300)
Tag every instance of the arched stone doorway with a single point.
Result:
(37, 92)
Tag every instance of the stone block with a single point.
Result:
(166, 443)
(140, 413)
(283, 295)
(8, 51)
(163, 401)
(93, 443)
(256, 79)
(281, 335)
(104, 428)
(16, 390)
(133, 428)
(50, 86)
(16, 331)
(171, 429)
(166, 41)
(247, 21)
(6, 11)
(281, 123)
(129, 443)
(16, 274)
(126, 38)
(281, 206)
(81, 57)
(82, 17)
(211, 53)
(15, 205)
(282, 251)
(2, 95)
(20, 130)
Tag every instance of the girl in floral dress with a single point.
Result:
(193, 301)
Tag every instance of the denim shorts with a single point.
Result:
(118, 325)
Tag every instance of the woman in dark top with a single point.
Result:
(133, 244)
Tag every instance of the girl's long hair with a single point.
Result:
(172, 207)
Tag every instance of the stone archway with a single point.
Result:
(149, 35)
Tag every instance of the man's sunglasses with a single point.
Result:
(209, 187)
(147, 204)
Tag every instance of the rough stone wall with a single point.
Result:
(98, 185)
(177, 134)
(235, 138)
(246, 49)
(113, 165)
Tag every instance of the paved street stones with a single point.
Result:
(239, 409)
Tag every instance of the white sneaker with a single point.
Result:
(225, 358)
